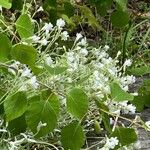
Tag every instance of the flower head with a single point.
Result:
(60, 23)
(64, 35)
(111, 143)
(78, 36)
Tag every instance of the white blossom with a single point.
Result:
(60, 23)
(83, 52)
(106, 47)
(40, 9)
(83, 41)
(111, 143)
(33, 82)
(47, 27)
(64, 35)
(41, 125)
(26, 72)
(35, 38)
(78, 36)
(48, 61)
(43, 42)
(128, 63)
(14, 67)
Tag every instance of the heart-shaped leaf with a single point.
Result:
(77, 103)
(24, 26)
(15, 105)
(42, 113)
(118, 94)
(72, 136)
(24, 53)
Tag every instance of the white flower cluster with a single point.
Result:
(98, 69)
(44, 36)
(24, 72)
(110, 143)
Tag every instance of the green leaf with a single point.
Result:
(139, 71)
(55, 70)
(101, 5)
(118, 94)
(138, 102)
(24, 53)
(17, 4)
(87, 13)
(51, 3)
(120, 18)
(17, 125)
(122, 4)
(15, 105)
(69, 9)
(125, 136)
(5, 3)
(77, 103)
(24, 26)
(105, 117)
(43, 109)
(5, 47)
(72, 136)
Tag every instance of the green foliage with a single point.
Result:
(143, 98)
(87, 13)
(15, 105)
(77, 103)
(72, 136)
(24, 53)
(17, 125)
(6, 3)
(5, 47)
(17, 5)
(55, 70)
(40, 107)
(103, 109)
(125, 136)
(24, 26)
(120, 18)
(140, 71)
(117, 94)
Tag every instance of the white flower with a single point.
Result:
(128, 109)
(40, 9)
(35, 38)
(83, 52)
(118, 54)
(43, 42)
(111, 143)
(47, 27)
(78, 36)
(14, 67)
(147, 123)
(48, 61)
(83, 42)
(106, 47)
(26, 72)
(60, 23)
(64, 35)
(70, 57)
(34, 82)
(41, 125)
(128, 63)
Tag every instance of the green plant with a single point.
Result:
(50, 91)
